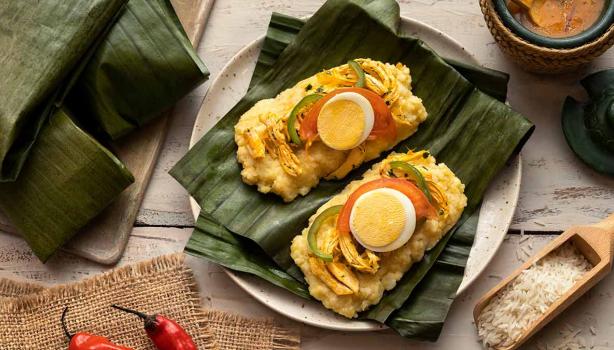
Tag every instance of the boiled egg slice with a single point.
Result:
(345, 121)
(383, 220)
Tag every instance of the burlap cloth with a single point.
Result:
(30, 314)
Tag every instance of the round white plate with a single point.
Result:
(495, 215)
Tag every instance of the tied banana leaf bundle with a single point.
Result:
(474, 134)
(68, 63)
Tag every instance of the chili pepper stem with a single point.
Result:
(134, 312)
(64, 327)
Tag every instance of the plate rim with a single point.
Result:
(243, 284)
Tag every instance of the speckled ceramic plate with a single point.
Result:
(495, 215)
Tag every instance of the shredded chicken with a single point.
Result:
(377, 78)
(365, 262)
(255, 144)
(355, 157)
(276, 144)
(343, 249)
(328, 240)
(319, 269)
(344, 274)
(338, 274)
(439, 198)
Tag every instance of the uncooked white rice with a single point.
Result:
(512, 310)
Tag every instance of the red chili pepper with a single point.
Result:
(165, 333)
(86, 341)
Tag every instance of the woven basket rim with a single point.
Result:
(488, 9)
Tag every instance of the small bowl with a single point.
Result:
(599, 27)
(542, 54)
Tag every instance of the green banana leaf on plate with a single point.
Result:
(74, 66)
(473, 133)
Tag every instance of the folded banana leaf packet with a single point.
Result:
(143, 67)
(43, 43)
(68, 65)
(469, 128)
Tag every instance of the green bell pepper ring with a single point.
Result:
(304, 102)
(312, 236)
(414, 175)
(360, 83)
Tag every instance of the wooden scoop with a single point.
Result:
(595, 242)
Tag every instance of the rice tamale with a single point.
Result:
(290, 166)
(388, 219)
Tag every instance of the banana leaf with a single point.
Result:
(205, 241)
(471, 132)
(422, 299)
(42, 41)
(146, 41)
(68, 179)
(283, 29)
(143, 67)
(468, 130)
(457, 244)
(214, 242)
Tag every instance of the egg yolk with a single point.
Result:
(341, 124)
(378, 219)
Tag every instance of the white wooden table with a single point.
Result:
(557, 190)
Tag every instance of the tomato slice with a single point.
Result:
(383, 126)
(424, 209)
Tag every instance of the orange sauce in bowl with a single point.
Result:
(556, 18)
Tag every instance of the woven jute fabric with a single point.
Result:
(14, 289)
(540, 59)
(234, 332)
(30, 313)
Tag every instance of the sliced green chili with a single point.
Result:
(359, 72)
(415, 175)
(304, 102)
(312, 236)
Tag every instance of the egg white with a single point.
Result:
(408, 229)
(368, 114)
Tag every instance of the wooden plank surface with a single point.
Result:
(219, 292)
(557, 189)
